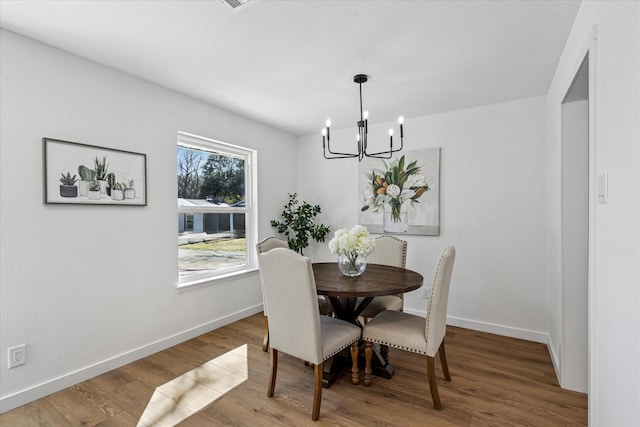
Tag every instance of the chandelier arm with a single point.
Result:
(342, 156)
(336, 154)
(327, 148)
(380, 155)
(386, 154)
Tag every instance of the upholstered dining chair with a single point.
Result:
(263, 246)
(295, 324)
(413, 333)
(389, 251)
(266, 245)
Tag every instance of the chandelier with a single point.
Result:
(361, 137)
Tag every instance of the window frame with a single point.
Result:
(200, 143)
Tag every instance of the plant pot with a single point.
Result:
(117, 194)
(69, 190)
(83, 187)
(130, 193)
(93, 195)
(103, 186)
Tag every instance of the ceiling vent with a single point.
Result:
(238, 5)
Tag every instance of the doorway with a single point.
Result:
(574, 347)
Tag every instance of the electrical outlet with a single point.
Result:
(17, 356)
(426, 292)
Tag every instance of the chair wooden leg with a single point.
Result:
(265, 340)
(431, 373)
(443, 362)
(317, 393)
(368, 355)
(355, 372)
(273, 363)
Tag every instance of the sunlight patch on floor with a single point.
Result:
(191, 392)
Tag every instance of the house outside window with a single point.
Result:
(216, 208)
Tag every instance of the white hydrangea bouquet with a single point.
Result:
(352, 247)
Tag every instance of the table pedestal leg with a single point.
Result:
(380, 364)
(346, 309)
(336, 365)
(332, 368)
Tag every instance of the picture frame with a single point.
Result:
(83, 174)
(401, 195)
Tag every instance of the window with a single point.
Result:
(216, 209)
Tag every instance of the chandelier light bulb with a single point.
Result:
(400, 120)
(328, 122)
(390, 132)
(365, 115)
(324, 131)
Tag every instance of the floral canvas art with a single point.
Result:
(401, 195)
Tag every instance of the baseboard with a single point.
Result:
(555, 359)
(39, 391)
(492, 328)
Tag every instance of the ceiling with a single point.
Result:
(290, 64)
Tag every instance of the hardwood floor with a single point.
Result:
(220, 378)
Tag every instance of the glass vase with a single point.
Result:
(395, 217)
(352, 265)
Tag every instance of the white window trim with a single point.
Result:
(206, 278)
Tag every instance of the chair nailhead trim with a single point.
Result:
(340, 349)
(413, 350)
(433, 285)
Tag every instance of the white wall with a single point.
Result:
(614, 388)
(492, 208)
(89, 288)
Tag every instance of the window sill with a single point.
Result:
(210, 281)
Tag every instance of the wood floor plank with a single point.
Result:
(83, 405)
(111, 380)
(122, 419)
(132, 398)
(220, 378)
(41, 413)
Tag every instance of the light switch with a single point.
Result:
(603, 188)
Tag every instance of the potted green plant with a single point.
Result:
(117, 191)
(129, 190)
(94, 190)
(86, 176)
(298, 224)
(111, 182)
(68, 187)
(101, 167)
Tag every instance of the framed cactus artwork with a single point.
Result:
(84, 174)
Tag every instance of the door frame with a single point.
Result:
(589, 49)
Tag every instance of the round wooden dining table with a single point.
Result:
(349, 296)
